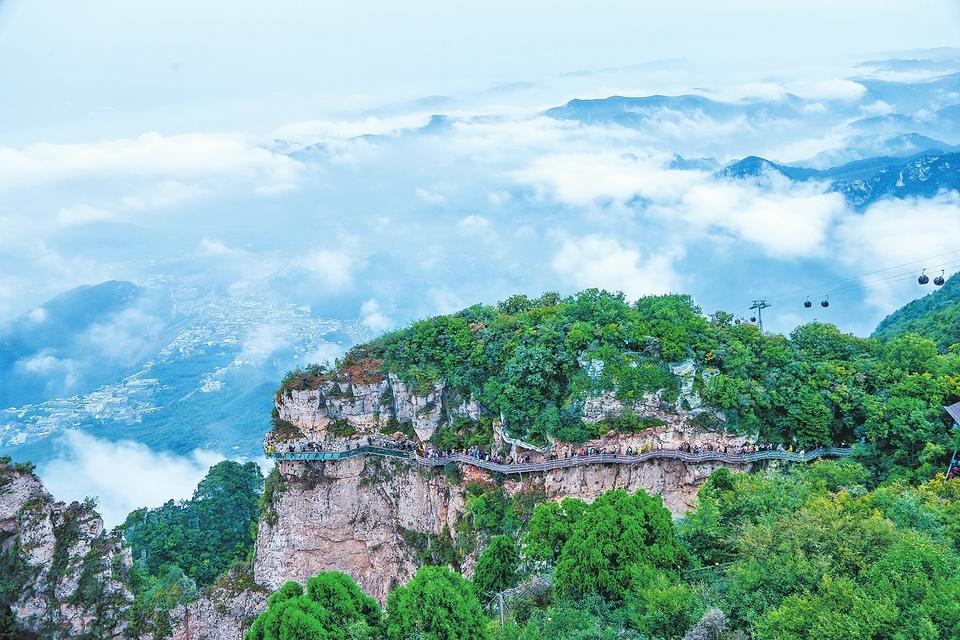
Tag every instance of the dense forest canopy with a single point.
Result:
(534, 361)
(805, 553)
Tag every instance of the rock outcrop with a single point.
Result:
(69, 573)
(356, 515)
(374, 403)
(221, 613)
(360, 400)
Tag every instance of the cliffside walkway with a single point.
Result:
(563, 463)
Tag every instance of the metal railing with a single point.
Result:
(563, 463)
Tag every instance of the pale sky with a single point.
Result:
(81, 71)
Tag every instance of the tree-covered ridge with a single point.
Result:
(935, 316)
(181, 547)
(534, 361)
(202, 535)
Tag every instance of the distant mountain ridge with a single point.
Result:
(637, 111)
(863, 182)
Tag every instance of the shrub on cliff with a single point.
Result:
(534, 361)
(616, 536)
(438, 604)
(331, 608)
(497, 566)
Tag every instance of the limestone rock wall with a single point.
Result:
(370, 406)
(219, 614)
(351, 515)
(70, 572)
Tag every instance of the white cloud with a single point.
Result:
(262, 342)
(876, 108)
(499, 198)
(583, 179)
(312, 131)
(832, 89)
(477, 225)
(151, 155)
(603, 262)
(373, 317)
(217, 248)
(37, 315)
(82, 214)
(61, 373)
(334, 267)
(445, 300)
(126, 338)
(784, 219)
(124, 475)
(430, 197)
(325, 353)
(921, 232)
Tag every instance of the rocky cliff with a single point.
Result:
(368, 516)
(360, 399)
(221, 613)
(370, 403)
(68, 574)
(363, 515)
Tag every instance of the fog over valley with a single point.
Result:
(172, 246)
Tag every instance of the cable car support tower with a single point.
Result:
(760, 305)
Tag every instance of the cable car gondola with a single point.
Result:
(824, 303)
(939, 280)
(923, 279)
(807, 304)
(753, 318)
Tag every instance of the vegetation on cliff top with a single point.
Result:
(202, 535)
(534, 362)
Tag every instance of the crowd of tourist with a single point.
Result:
(473, 452)
(432, 453)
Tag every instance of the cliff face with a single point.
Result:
(370, 404)
(356, 515)
(69, 573)
(369, 401)
(221, 613)
(352, 516)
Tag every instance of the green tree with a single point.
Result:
(812, 419)
(331, 608)
(660, 605)
(616, 534)
(438, 604)
(497, 566)
(550, 527)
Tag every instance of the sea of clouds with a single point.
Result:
(395, 214)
